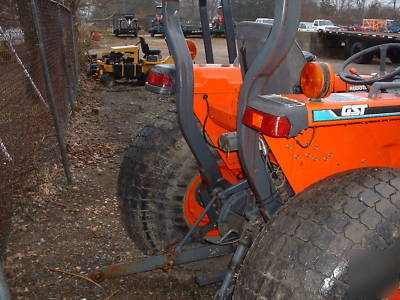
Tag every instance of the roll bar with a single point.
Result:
(229, 31)
(184, 89)
(270, 57)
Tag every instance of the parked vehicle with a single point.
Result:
(217, 24)
(125, 24)
(265, 21)
(348, 43)
(394, 26)
(324, 25)
(189, 28)
(156, 23)
(306, 26)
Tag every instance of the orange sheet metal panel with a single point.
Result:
(336, 149)
(336, 146)
(221, 85)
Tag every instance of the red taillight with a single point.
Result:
(269, 125)
(394, 295)
(160, 80)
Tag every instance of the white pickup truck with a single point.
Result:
(324, 25)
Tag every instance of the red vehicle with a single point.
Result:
(218, 24)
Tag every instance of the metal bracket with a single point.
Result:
(203, 279)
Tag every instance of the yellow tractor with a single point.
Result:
(125, 64)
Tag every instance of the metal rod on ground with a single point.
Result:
(50, 92)
(68, 80)
(161, 262)
(4, 291)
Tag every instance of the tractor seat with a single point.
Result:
(251, 38)
(115, 55)
(146, 50)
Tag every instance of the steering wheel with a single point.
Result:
(381, 76)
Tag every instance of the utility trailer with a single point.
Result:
(190, 29)
(156, 25)
(352, 42)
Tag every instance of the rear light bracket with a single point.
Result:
(280, 106)
(228, 142)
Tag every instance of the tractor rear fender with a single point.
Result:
(345, 131)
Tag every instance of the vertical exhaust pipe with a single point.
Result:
(206, 31)
(229, 30)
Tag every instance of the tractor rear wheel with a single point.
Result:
(143, 78)
(153, 180)
(107, 79)
(5, 226)
(340, 239)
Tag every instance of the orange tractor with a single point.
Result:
(271, 159)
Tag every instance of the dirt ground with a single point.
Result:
(76, 228)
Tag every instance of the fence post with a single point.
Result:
(4, 291)
(68, 81)
(50, 92)
(76, 57)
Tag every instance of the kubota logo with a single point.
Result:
(354, 110)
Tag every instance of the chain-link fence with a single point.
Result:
(38, 86)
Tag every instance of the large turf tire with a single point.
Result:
(6, 212)
(152, 183)
(357, 47)
(142, 79)
(5, 228)
(304, 252)
(107, 80)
